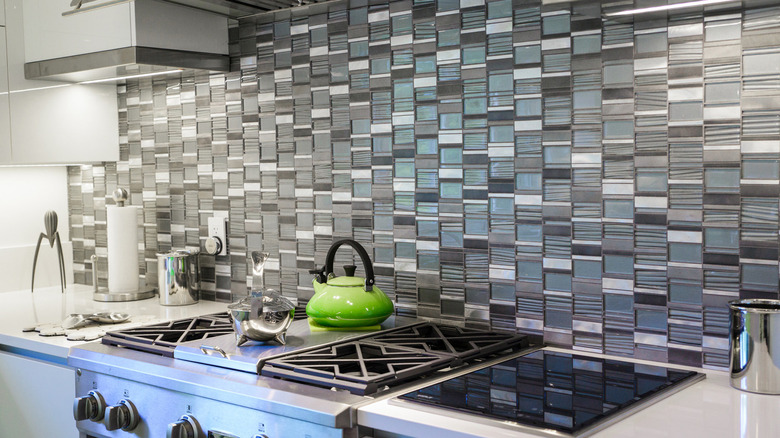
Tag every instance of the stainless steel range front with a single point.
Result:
(188, 378)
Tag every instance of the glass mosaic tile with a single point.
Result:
(516, 140)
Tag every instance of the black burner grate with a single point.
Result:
(463, 343)
(360, 367)
(390, 357)
(164, 337)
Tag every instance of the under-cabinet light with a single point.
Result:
(667, 7)
(48, 87)
(142, 75)
(9, 166)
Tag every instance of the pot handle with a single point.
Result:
(322, 276)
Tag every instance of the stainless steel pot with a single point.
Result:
(755, 345)
(178, 277)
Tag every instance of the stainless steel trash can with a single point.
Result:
(755, 345)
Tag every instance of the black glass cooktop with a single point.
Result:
(549, 390)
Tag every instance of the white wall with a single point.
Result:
(26, 194)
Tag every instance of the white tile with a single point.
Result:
(501, 27)
(381, 128)
(552, 263)
(451, 138)
(617, 284)
(450, 173)
(528, 199)
(556, 43)
(586, 326)
(687, 93)
(650, 63)
(684, 236)
(761, 147)
(378, 16)
(651, 202)
(529, 324)
(528, 125)
(299, 29)
(731, 112)
(403, 186)
(685, 30)
(527, 73)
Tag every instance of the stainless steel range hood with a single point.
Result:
(123, 63)
(102, 40)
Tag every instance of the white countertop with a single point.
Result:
(709, 408)
(22, 309)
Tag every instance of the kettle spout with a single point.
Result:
(320, 281)
(318, 287)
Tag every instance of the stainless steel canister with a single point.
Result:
(178, 277)
(755, 345)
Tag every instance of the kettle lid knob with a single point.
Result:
(349, 270)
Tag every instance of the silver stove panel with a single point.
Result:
(224, 394)
(158, 407)
(246, 357)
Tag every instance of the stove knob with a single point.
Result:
(186, 427)
(92, 407)
(122, 416)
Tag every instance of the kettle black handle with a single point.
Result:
(331, 258)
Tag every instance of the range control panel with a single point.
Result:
(113, 407)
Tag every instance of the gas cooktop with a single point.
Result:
(554, 392)
(317, 381)
(361, 363)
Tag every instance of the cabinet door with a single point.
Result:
(49, 35)
(55, 122)
(37, 398)
(81, 125)
(5, 122)
(2, 12)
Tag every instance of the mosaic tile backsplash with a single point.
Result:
(610, 185)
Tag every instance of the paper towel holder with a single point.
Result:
(120, 197)
(103, 294)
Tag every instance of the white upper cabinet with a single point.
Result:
(52, 122)
(2, 12)
(106, 25)
(107, 39)
(65, 125)
(48, 35)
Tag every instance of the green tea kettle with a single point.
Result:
(347, 301)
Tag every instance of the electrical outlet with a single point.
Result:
(216, 242)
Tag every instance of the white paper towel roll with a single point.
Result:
(122, 232)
